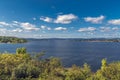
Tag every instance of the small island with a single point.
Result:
(7, 39)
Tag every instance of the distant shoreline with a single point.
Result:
(14, 40)
(7, 39)
(99, 40)
(82, 39)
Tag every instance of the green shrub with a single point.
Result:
(26, 70)
(21, 50)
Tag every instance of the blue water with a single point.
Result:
(70, 51)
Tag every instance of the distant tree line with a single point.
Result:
(22, 66)
(99, 40)
(6, 39)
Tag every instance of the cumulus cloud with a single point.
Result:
(95, 20)
(65, 19)
(114, 21)
(105, 29)
(19, 26)
(28, 26)
(34, 18)
(115, 28)
(4, 24)
(48, 28)
(16, 22)
(46, 19)
(17, 30)
(45, 27)
(3, 30)
(62, 19)
(88, 29)
(108, 29)
(60, 28)
(36, 35)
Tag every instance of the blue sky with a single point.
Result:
(60, 18)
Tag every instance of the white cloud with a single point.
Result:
(48, 28)
(34, 18)
(17, 30)
(88, 29)
(94, 20)
(46, 19)
(45, 27)
(37, 35)
(99, 29)
(3, 30)
(114, 21)
(20, 26)
(60, 28)
(4, 24)
(62, 19)
(28, 26)
(65, 19)
(16, 22)
(105, 29)
(115, 28)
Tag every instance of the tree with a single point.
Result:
(104, 64)
(21, 50)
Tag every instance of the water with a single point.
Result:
(70, 51)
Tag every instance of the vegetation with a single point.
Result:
(5, 39)
(99, 40)
(22, 66)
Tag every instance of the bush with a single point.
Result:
(26, 70)
(77, 73)
(21, 50)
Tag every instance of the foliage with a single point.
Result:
(22, 66)
(77, 73)
(21, 51)
(26, 70)
(104, 64)
(5, 39)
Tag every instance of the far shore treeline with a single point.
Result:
(10, 39)
(7, 39)
(23, 66)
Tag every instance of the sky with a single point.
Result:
(60, 18)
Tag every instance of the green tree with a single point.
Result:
(26, 70)
(21, 50)
(104, 64)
